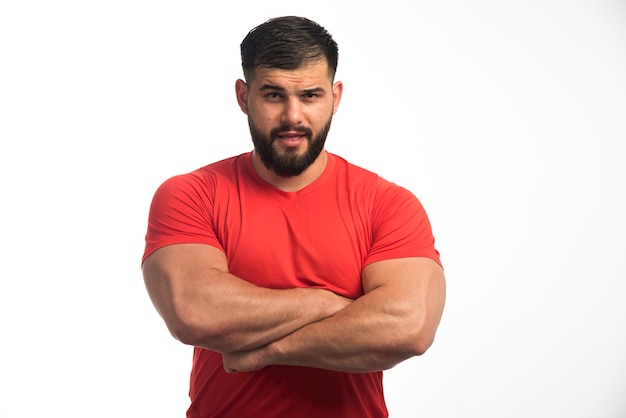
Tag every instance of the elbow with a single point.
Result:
(422, 331)
(421, 337)
(413, 345)
(185, 335)
(211, 336)
(421, 345)
(191, 332)
(185, 332)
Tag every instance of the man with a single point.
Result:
(296, 276)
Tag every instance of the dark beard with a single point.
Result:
(288, 164)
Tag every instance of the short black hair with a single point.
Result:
(288, 42)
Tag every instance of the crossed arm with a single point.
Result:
(253, 327)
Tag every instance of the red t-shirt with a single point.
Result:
(321, 236)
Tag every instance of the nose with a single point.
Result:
(292, 113)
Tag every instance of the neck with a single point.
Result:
(295, 183)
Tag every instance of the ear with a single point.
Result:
(337, 92)
(241, 89)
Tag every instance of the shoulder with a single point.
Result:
(399, 225)
(343, 166)
(203, 178)
(366, 181)
(356, 180)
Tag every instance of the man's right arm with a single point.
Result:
(204, 305)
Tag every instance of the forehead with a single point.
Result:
(314, 74)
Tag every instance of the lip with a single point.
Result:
(291, 138)
(291, 134)
(291, 141)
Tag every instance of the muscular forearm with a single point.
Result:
(382, 328)
(238, 316)
(363, 337)
(210, 308)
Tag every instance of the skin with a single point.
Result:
(191, 287)
(302, 97)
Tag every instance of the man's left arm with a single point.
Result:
(395, 319)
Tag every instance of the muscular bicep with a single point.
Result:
(180, 265)
(173, 276)
(414, 289)
(204, 305)
(182, 260)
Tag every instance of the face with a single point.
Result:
(289, 114)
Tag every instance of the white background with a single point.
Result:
(506, 119)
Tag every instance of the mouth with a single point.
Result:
(291, 138)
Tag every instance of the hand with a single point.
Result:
(243, 361)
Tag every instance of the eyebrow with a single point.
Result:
(268, 86)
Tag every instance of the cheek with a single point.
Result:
(263, 115)
(321, 116)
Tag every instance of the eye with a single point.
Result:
(273, 95)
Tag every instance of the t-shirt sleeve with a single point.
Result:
(180, 213)
(401, 227)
